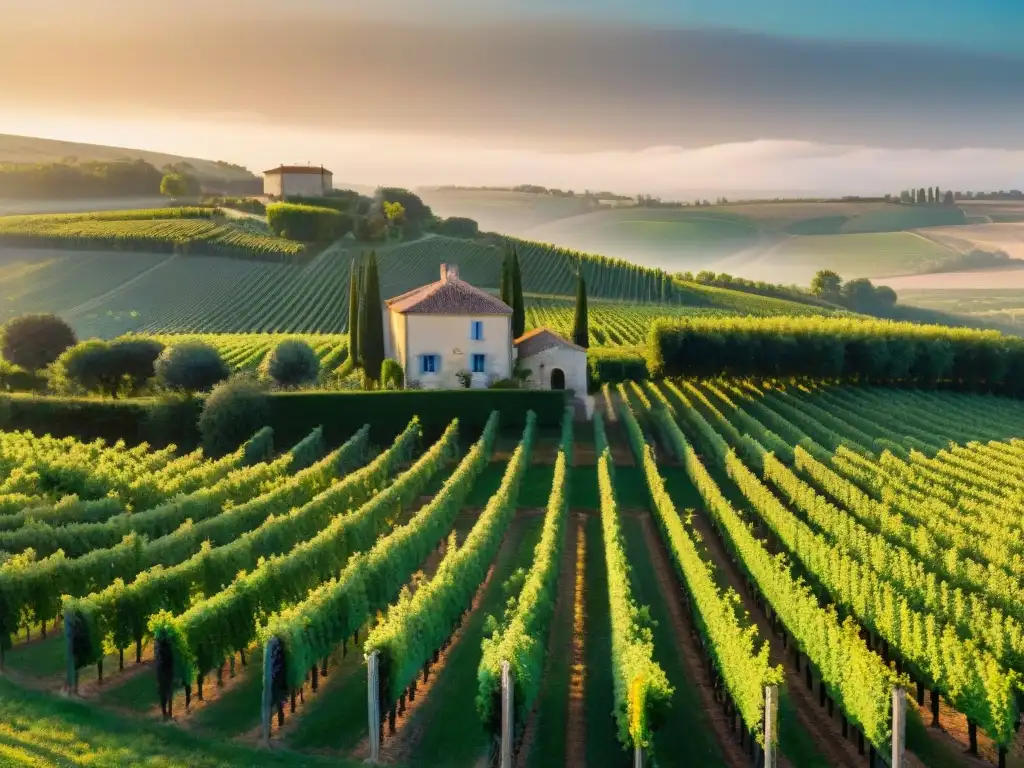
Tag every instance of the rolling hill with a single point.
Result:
(28, 149)
(107, 293)
(784, 241)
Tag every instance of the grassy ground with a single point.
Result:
(602, 748)
(41, 730)
(237, 710)
(535, 487)
(40, 658)
(446, 727)
(334, 718)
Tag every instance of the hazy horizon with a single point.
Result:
(603, 95)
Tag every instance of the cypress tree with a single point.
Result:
(518, 309)
(506, 276)
(581, 324)
(353, 311)
(371, 323)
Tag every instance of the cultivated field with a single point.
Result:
(105, 294)
(650, 608)
(775, 242)
(186, 230)
(873, 255)
(993, 238)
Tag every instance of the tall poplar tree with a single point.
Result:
(518, 308)
(581, 323)
(371, 322)
(353, 311)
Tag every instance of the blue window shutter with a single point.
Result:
(423, 363)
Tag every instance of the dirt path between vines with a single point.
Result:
(570, 583)
(823, 730)
(686, 646)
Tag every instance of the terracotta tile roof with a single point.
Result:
(541, 339)
(448, 296)
(317, 169)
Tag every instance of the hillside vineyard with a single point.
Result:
(105, 292)
(801, 532)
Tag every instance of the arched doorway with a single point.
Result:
(557, 378)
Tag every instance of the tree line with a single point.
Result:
(859, 295)
(926, 196)
(46, 181)
(71, 179)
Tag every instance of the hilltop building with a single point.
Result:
(306, 180)
(449, 327)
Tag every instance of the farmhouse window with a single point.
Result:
(479, 364)
(429, 364)
(476, 330)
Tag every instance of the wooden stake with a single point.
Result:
(373, 705)
(899, 728)
(771, 725)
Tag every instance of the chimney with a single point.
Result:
(449, 272)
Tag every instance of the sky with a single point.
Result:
(629, 95)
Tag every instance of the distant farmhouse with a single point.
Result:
(306, 180)
(447, 329)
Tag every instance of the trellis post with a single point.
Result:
(373, 705)
(506, 715)
(638, 756)
(899, 728)
(771, 726)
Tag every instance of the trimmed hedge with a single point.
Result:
(388, 412)
(612, 365)
(877, 351)
(292, 415)
(307, 223)
(157, 422)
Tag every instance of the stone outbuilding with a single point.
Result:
(553, 363)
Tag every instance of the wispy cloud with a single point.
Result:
(549, 84)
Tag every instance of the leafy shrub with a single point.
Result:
(504, 384)
(96, 366)
(135, 360)
(291, 363)
(391, 374)
(14, 379)
(457, 226)
(233, 413)
(84, 367)
(35, 341)
(308, 223)
(190, 367)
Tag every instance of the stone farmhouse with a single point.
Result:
(304, 180)
(447, 330)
